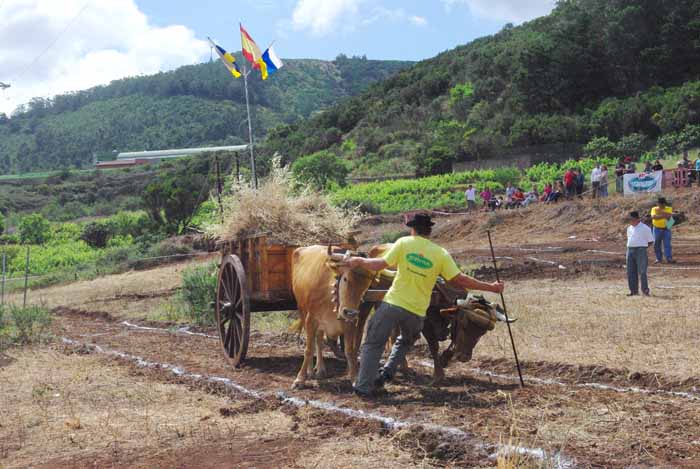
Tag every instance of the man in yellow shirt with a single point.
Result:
(662, 231)
(418, 262)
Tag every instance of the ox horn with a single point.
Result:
(330, 249)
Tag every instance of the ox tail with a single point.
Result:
(297, 326)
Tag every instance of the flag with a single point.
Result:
(250, 49)
(272, 62)
(228, 59)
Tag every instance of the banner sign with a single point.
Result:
(643, 183)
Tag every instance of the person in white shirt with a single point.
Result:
(470, 194)
(639, 238)
(595, 181)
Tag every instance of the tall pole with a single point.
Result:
(505, 312)
(254, 181)
(4, 267)
(26, 278)
(219, 188)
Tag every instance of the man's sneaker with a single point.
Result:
(671, 261)
(646, 293)
(382, 379)
(369, 394)
(657, 261)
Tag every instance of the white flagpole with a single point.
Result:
(254, 180)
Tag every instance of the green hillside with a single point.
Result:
(592, 68)
(191, 106)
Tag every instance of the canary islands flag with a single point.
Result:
(228, 59)
(272, 62)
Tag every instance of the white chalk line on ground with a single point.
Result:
(557, 459)
(182, 330)
(694, 395)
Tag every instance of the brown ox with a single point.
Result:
(326, 297)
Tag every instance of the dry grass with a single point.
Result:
(296, 218)
(53, 405)
(125, 295)
(590, 321)
(363, 451)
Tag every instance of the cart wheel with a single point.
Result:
(233, 310)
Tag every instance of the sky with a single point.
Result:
(48, 47)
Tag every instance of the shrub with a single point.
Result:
(30, 323)
(34, 229)
(95, 234)
(198, 292)
(321, 169)
(392, 236)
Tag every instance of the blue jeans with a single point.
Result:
(662, 238)
(637, 262)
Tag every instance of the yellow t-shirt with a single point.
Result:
(418, 262)
(660, 223)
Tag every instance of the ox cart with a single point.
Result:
(255, 274)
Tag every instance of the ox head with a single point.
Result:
(349, 286)
(470, 321)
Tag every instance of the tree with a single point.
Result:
(172, 199)
(321, 169)
(95, 234)
(34, 229)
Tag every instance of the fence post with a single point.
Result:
(26, 279)
(4, 267)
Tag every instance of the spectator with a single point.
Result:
(546, 192)
(595, 180)
(648, 168)
(580, 180)
(627, 159)
(510, 190)
(619, 177)
(486, 196)
(517, 199)
(570, 183)
(639, 238)
(657, 166)
(557, 193)
(531, 197)
(660, 218)
(496, 203)
(697, 169)
(470, 195)
(604, 181)
(686, 162)
(631, 169)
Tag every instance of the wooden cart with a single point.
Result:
(256, 275)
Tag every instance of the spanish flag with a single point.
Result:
(228, 59)
(251, 51)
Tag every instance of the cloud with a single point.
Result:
(110, 39)
(515, 11)
(324, 17)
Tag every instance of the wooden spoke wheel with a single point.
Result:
(233, 309)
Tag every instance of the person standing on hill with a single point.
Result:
(570, 183)
(595, 180)
(470, 195)
(603, 181)
(580, 181)
(619, 177)
(639, 238)
(660, 216)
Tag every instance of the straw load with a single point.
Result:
(286, 212)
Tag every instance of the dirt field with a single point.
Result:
(611, 381)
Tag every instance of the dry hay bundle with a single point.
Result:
(287, 213)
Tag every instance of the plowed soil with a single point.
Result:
(595, 426)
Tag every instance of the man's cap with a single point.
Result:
(634, 215)
(419, 219)
(662, 200)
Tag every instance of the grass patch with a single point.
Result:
(23, 325)
(275, 321)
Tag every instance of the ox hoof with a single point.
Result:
(438, 380)
(321, 374)
(298, 384)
